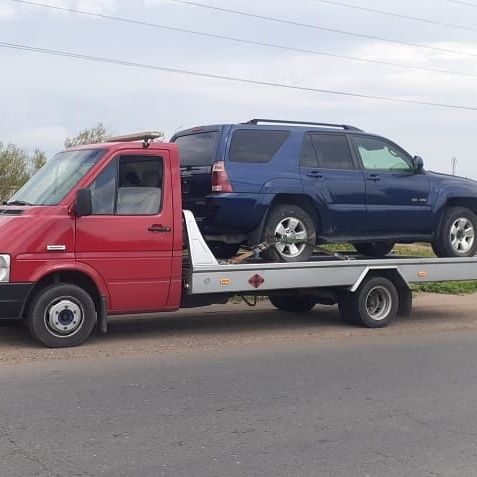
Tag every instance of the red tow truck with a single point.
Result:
(100, 231)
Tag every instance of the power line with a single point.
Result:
(398, 15)
(321, 28)
(68, 54)
(243, 41)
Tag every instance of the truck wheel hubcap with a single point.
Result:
(64, 317)
(291, 236)
(462, 235)
(378, 303)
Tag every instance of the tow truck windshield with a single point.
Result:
(56, 178)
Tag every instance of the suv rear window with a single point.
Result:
(256, 146)
(197, 149)
(328, 151)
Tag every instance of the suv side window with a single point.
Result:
(380, 155)
(197, 149)
(256, 145)
(130, 185)
(326, 151)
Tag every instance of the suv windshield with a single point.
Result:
(57, 177)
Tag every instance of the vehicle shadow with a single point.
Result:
(240, 321)
(228, 321)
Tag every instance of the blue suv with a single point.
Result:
(297, 184)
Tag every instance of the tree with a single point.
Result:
(14, 163)
(93, 135)
(38, 160)
(16, 167)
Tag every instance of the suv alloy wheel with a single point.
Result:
(292, 231)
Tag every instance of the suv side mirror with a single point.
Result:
(84, 203)
(418, 163)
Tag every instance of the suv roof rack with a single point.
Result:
(147, 137)
(279, 121)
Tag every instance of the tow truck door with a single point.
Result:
(128, 240)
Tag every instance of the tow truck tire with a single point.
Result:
(61, 316)
(293, 304)
(374, 249)
(373, 305)
(457, 234)
(287, 221)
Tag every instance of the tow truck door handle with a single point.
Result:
(374, 178)
(157, 228)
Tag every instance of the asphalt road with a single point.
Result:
(288, 402)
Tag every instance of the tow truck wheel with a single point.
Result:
(373, 305)
(61, 315)
(293, 304)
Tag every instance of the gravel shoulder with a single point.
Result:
(219, 328)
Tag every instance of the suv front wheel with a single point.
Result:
(292, 232)
(456, 236)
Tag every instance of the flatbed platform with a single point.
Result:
(208, 275)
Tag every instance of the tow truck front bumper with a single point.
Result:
(13, 297)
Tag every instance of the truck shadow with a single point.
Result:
(229, 320)
(265, 321)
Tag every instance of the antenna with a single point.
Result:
(454, 165)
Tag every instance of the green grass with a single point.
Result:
(420, 250)
(448, 288)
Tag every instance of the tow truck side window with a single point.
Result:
(130, 185)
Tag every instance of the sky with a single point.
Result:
(44, 98)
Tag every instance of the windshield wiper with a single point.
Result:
(18, 202)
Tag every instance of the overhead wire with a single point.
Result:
(243, 41)
(322, 28)
(115, 61)
(397, 15)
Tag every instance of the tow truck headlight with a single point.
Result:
(4, 268)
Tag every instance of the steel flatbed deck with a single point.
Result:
(369, 291)
(208, 275)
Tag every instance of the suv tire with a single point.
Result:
(374, 249)
(456, 235)
(289, 221)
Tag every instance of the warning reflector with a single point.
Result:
(256, 280)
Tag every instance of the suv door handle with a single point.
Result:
(374, 178)
(157, 228)
(316, 174)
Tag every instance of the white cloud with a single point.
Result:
(43, 137)
(6, 10)
(96, 6)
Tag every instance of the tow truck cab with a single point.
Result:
(104, 218)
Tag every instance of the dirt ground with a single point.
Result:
(236, 325)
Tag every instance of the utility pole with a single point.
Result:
(454, 165)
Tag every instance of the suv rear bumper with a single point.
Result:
(233, 213)
(13, 297)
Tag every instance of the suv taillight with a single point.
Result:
(220, 179)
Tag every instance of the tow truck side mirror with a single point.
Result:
(418, 164)
(84, 203)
